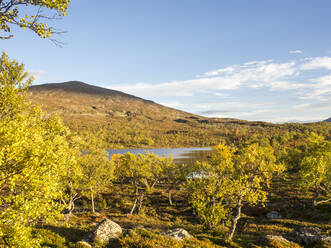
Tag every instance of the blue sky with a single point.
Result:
(253, 60)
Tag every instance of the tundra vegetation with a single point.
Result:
(57, 183)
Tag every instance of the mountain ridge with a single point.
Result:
(328, 120)
(78, 98)
(81, 87)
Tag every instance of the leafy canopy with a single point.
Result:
(229, 179)
(143, 171)
(33, 152)
(315, 168)
(97, 169)
(17, 12)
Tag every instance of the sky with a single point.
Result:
(252, 60)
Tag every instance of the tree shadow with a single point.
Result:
(69, 233)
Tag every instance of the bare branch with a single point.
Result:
(6, 37)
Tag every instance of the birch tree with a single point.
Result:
(231, 178)
(33, 153)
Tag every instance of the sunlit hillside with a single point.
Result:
(130, 121)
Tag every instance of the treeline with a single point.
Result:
(120, 133)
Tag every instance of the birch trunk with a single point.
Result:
(235, 219)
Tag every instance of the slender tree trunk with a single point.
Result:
(153, 184)
(316, 195)
(136, 191)
(71, 200)
(169, 197)
(211, 225)
(141, 199)
(235, 219)
(70, 206)
(134, 206)
(92, 200)
(316, 203)
(213, 205)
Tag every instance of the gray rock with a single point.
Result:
(326, 239)
(178, 233)
(105, 231)
(83, 244)
(279, 240)
(274, 215)
(309, 230)
(308, 236)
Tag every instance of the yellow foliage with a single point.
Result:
(33, 152)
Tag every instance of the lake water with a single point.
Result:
(180, 155)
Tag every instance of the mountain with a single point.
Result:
(328, 120)
(82, 105)
(76, 100)
(130, 121)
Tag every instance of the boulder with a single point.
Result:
(178, 233)
(308, 236)
(105, 231)
(274, 215)
(309, 230)
(277, 241)
(326, 239)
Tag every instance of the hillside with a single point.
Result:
(328, 120)
(130, 121)
(78, 100)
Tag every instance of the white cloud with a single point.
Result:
(266, 111)
(287, 85)
(256, 63)
(176, 104)
(318, 94)
(222, 94)
(319, 90)
(240, 91)
(255, 74)
(322, 81)
(316, 63)
(252, 74)
(180, 88)
(295, 52)
(36, 73)
(301, 106)
(225, 70)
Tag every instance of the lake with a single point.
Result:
(180, 155)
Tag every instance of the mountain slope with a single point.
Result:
(328, 120)
(127, 120)
(76, 101)
(130, 121)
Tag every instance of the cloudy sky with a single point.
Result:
(253, 60)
